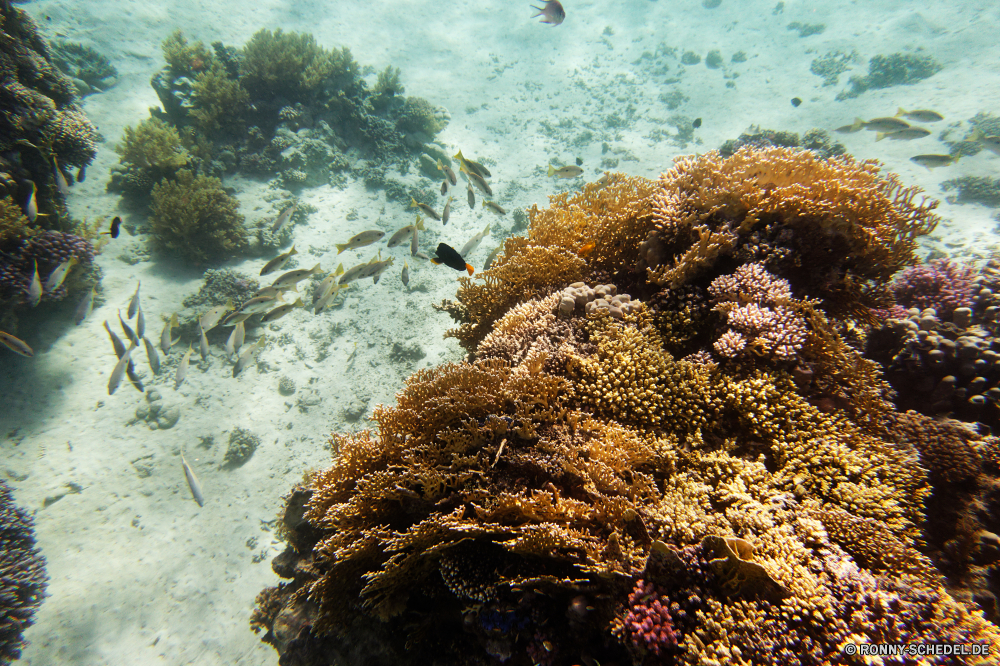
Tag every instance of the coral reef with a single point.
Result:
(293, 66)
(941, 284)
(186, 59)
(974, 189)
(242, 444)
(152, 144)
(286, 385)
(892, 70)
(47, 250)
(816, 140)
(194, 218)
(22, 575)
(576, 492)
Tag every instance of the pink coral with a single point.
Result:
(648, 621)
(942, 284)
(750, 283)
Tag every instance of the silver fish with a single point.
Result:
(472, 196)
(326, 300)
(166, 340)
(479, 182)
(290, 279)
(192, 482)
(360, 240)
(86, 305)
(133, 305)
(182, 368)
(447, 172)
(203, 344)
(405, 275)
(140, 323)
(61, 183)
(152, 356)
(31, 206)
(236, 317)
(129, 333)
(282, 219)
(352, 273)
(474, 242)
(278, 262)
(268, 292)
(235, 340)
(35, 288)
(571, 171)
(492, 257)
(428, 211)
(211, 318)
(280, 311)
(415, 238)
(446, 213)
(16, 344)
(115, 341)
(119, 371)
(56, 277)
(405, 234)
(258, 304)
(246, 357)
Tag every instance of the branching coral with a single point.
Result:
(193, 217)
(220, 100)
(292, 65)
(186, 59)
(152, 144)
(941, 284)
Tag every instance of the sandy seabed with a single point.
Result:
(139, 573)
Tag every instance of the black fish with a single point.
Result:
(444, 188)
(81, 175)
(697, 123)
(450, 257)
(796, 101)
(116, 225)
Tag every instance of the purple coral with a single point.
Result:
(648, 622)
(49, 249)
(941, 284)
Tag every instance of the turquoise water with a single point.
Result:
(139, 572)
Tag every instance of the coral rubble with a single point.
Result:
(714, 475)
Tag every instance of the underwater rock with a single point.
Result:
(286, 386)
(354, 410)
(157, 413)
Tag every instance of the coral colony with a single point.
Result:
(668, 444)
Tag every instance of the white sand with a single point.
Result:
(142, 575)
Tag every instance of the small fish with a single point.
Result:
(474, 242)
(192, 482)
(116, 375)
(35, 288)
(282, 219)
(570, 171)
(326, 300)
(61, 183)
(278, 262)
(166, 340)
(152, 356)
(211, 318)
(280, 311)
(420, 255)
(472, 196)
(415, 238)
(467, 165)
(16, 345)
(428, 211)
(697, 123)
(352, 273)
(129, 333)
(405, 275)
(552, 11)
(452, 178)
(86, 305)
(203, 343)
(856, 126)
(235, 340)
(374, 269)
(328, 284)
(444, 187)
(81, 174)
(271, 292)
(140, 323)
(796, 101)
(907, 134)
(495, 207)
(56, 277)
(236, 317)
(182, 368)
(31, 206)
(360, 240)
(492, 257)
(448, 256)
(921, 115)
(446, 213)
(246, 357)
(257, 305)
(887, 124)
(603, 181)
(116, 342)
(291, 279)
(991, 143)
(586, 249)
(405, 233)
(116, 225)
(133, 305)
(932, 161)
(479, 182)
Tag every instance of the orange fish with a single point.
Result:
(587, 249)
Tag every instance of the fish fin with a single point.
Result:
(173, 321)
(440, 165)
(293, 250)
(315, 269)
(341, 247)
(420, 223)
(469, 268)
(340, 269)
(858, 121)
(552, 171)
(880, 135)
(229, 304)
(977, 135)
(413, 203)
(436, 261)
(900, 112)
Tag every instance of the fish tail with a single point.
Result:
(901, 112)
(469, 268)
(552, 171)
(341, 247)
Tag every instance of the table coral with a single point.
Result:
(535, 503)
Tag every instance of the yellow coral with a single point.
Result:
(152, 143)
